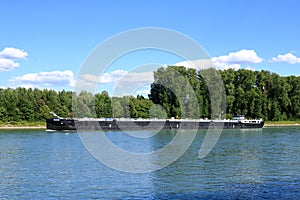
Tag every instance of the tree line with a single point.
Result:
(176, 92)
(255, 94)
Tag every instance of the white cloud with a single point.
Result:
(196, 64)
(13, 53)
(117, 77)
(90, 81)
(289, 58)
(251, 68)
(122, 82)
(138, 77)
(244, 56)
(54, 78)
(112, 77)
(8, 56)
(233, 60)
(225, 66)
(134, 83)
(7, 65)
(205, 64)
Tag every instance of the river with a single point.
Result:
(244, 164)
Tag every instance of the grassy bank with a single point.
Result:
(283, 123)
(22, 125)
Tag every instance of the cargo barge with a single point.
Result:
(107, 124)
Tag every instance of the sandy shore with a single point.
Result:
(22, 127)
(279, 125)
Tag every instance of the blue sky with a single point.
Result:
(44, 43)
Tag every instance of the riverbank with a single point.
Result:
(41, 125)
(22, 125)
(282, 123)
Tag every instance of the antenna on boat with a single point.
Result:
(55, 115)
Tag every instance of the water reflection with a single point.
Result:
(243, 164)
(241, 161)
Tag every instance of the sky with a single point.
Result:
(43, 44)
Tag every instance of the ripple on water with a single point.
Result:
(242, 165)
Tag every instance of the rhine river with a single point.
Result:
(244, 164)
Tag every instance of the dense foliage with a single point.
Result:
(255, 94)
(22, 104)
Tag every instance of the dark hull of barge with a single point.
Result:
(64, 124)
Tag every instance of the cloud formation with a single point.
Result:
(137, 78)
(9, 56)
(112, 77)
(7, 65)
(244, 56)
(205, 64)
(122, 82)
(13, 53)
(54, 78)
(118, 76)
(289, 58)
(233, 60)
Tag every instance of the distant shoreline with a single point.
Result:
(280, 125)
(12, 127)
(21, 127)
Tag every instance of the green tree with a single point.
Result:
(216, 90)
(157, 111)
(103, 105)
(174, 89)
(84, 105)
(118, 111)
(294, 96)
(45, 112)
